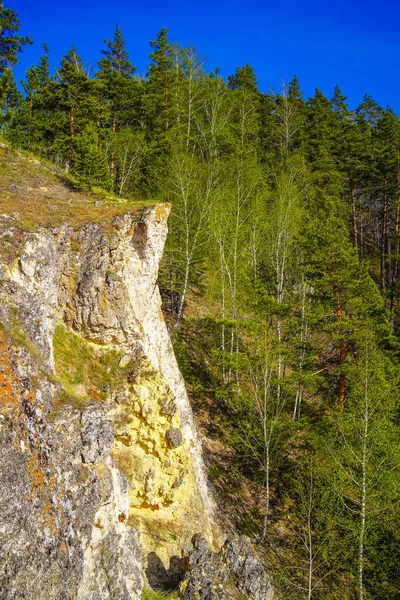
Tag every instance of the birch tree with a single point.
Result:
(189, 67)
(127, 148)
(312, 554)
(281, 256)
(366, 448)
(268, 431)
(191, 189)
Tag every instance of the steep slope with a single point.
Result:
(97, 436)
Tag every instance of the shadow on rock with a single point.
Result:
(160, 578)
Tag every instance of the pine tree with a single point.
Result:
(118, 85)
(160, 86)
(32, 120)
(75, 94)
(369, 112)
(299, 114)
(349, 154)
(160, 110)
(243, 79)
(90, 165)
(10, 45)
(320, 138)
(43, 67)
(387, 152)
(120, 95)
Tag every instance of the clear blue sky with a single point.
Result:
(353, 43)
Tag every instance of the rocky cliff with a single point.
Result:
(101, 472)
(102, 485)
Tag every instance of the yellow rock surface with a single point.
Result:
(165, 504)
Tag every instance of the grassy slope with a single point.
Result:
(40, 194)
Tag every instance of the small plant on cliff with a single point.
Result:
(85, 372)
(149, 594)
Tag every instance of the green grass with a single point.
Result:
(85, 372)
(13, 331)
(149, 594)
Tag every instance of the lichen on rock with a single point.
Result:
(102, 476)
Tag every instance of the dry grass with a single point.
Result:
(41, 195)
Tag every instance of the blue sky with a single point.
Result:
(355, 44)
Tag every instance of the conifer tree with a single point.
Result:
(43, 67)
(120, 96)
(32, 123)
(76, 95)
(387, 149)
(244, 78)
(116, 77)
(89, 161)
(320, 130)
(160, 87)
(10, 42)
(160, 109)
(298, 107)
(10, 45)
(349, 154)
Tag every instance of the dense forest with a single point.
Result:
(280, 281)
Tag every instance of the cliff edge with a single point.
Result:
(101, 471)
(102, 483)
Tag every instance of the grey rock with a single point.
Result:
(227, 575)
(134, 373)
(168, 407)
(97, 436)
(175, 437)
(249, 573)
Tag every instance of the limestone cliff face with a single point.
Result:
(101, 477)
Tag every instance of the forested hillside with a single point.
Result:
(280, 281)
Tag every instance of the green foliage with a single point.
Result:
(149, 594)
(90, 165)
(10, 42)
(85, 372)
(10, 45)
(282, 268)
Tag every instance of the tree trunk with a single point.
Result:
(310, 545)
(395, 265)
(267, 489)
(342, 348)
(354, 217)
(363, 493)
(384, 242)
(183, 295)
(303, 338)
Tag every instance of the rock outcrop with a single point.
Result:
(101, 476)
(233, 573)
